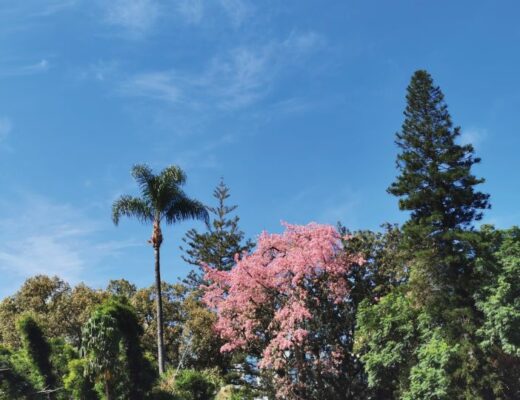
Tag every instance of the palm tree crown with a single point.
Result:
(162, 198)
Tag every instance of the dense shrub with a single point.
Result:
(190, 384)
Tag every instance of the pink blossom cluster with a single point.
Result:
(271, 298)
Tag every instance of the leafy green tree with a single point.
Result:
(41, 296)
(112, 349)
(219, 244)
(37, 349)
(502, 305)
(190, 384)
(385, 262)
(101, 346)
(386, 336)
(78, 305)
(121, 287)
(499, 301)
(14, 381)
(60, 310)
(200, 346)
(431, 376)
(78, 383)
(162, 199)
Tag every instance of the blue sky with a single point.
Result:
(294, 103)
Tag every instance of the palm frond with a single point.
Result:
(173, 175)
(131, 207)
(146, 180)
(184, 208)
(168, 187)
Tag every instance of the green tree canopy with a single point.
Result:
(113, 353)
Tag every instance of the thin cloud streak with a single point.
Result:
(6, 126)
(140, 17)
(26, 69)
(237, 79)
(192, 11)
(237, 10)
(137, 16)
(36, 8)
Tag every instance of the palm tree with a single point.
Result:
(162, 200)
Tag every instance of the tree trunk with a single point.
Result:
(160, 337)
(107, 390)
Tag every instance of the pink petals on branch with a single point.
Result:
(269, 299)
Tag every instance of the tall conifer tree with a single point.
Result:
(219, 244)
(436, 185)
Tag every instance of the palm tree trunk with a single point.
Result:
(160, 336)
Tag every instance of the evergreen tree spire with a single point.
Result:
(219, 244)
(435, 180)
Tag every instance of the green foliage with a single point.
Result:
(386, 336)
(60, 310)
(234, 392)
(189, 384)
(435, 183)
(114, 358)
(430, 377)
(78, 383)
(14, 380)
(201, 346)
(219, 244)
(41, 296)
(502, 306)
(499, 302)
(37, 349)
(162, 198)
(121, 288)
(385, 261)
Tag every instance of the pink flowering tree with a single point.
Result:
(287, 304)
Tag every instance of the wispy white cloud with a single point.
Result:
(238, 78)
(35, 8)
(237, 10)
(202, 156)
(6, 127)
(293, 105)
(100, 70)
(136, 16)
(192, 11)
(25, 69)
(40, 66)
(154, 85)
(51, 7)
(39, 236)
(473, 136)
(140, 17)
